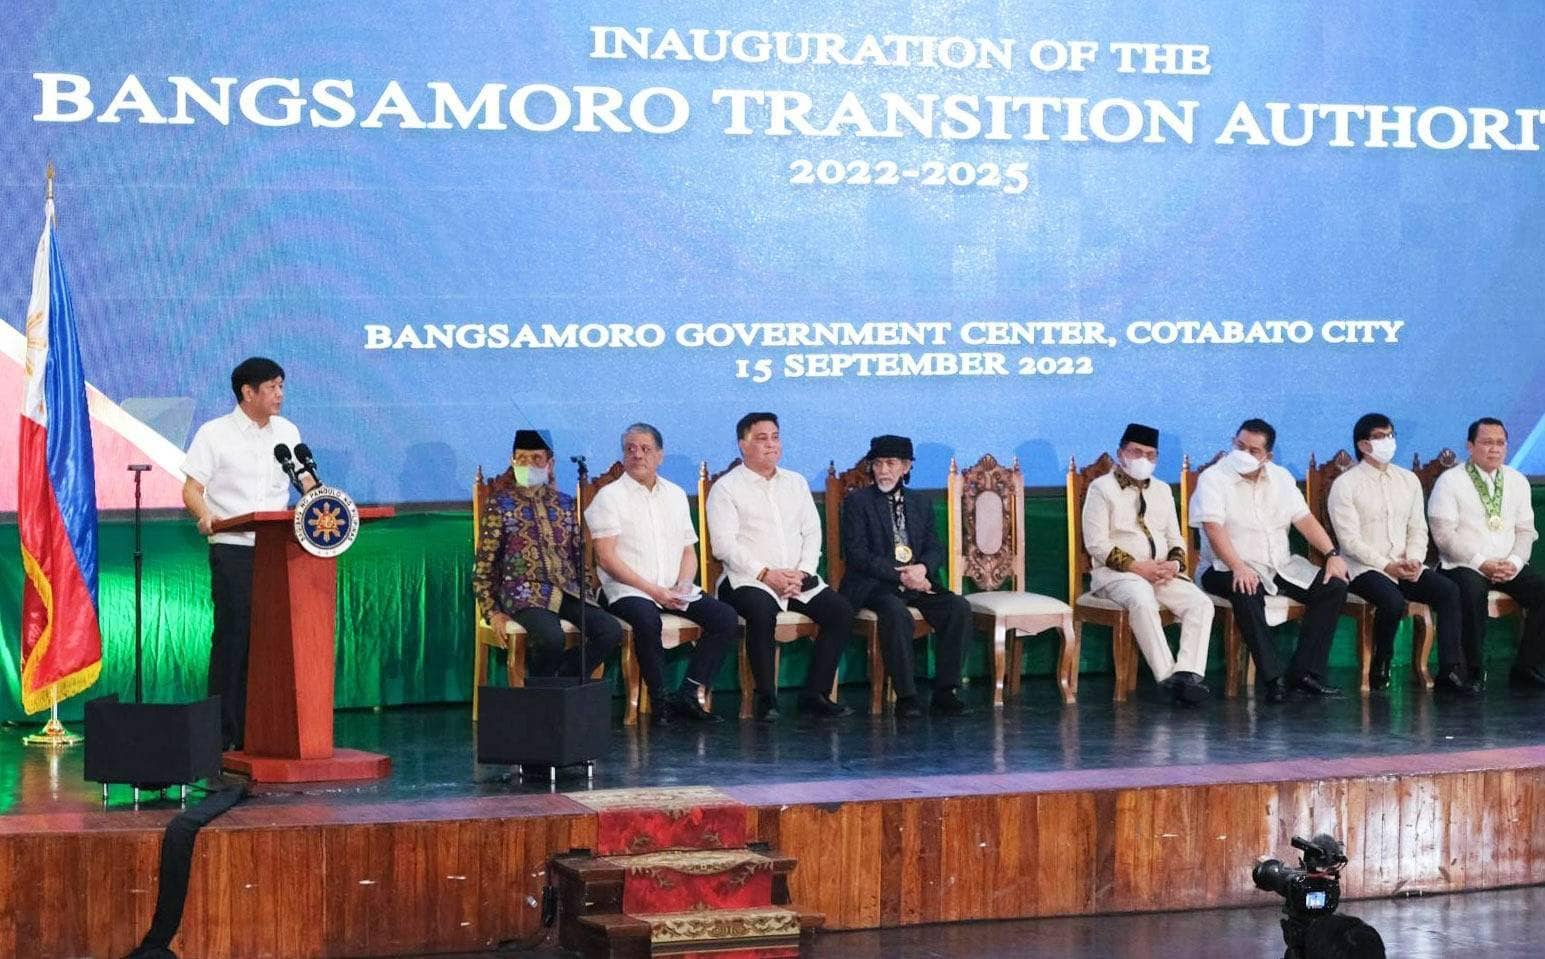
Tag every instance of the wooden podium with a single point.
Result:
(289, 735)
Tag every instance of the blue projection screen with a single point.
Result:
(1005, 228)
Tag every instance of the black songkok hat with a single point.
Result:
(533, 440)
(889, 447)
(1138, 433)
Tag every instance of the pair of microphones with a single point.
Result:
(298, 464)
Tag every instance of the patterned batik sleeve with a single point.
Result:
(485, 566)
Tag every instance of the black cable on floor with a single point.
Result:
(176, 864)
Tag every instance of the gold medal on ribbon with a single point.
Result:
(903, 553)
(1494, 523)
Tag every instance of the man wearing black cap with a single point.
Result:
(1137, 557)
(527, 568)
(893, 556)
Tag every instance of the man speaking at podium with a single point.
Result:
(231, 470)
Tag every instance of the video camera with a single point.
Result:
(1310, 892)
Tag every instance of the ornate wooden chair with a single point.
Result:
(790, 627)
(1317, 491)
(1238, 666)
(1499, 605)
(484, 636)
(1087, 607)
(987, 544)
(866, 622)
(674, 630)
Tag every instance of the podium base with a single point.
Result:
(342, 765)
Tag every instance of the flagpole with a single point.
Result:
(53, 732)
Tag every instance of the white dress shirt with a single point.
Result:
(1110, 522)
(755, 523)
(233, 458)
(1377, 517)
(1458, 519)
(652, 526)
(1256, 515)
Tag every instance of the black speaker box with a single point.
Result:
(548, 722)
(152, 744)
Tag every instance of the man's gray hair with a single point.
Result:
(659, 441)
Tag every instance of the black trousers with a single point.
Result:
(1528, 588)
(545, 652)
(950, 616)
(1388, 599)
(1323, 599)
(716, 619)
(230, 588)
(831, 612)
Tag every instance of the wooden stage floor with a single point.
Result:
(1035, 810)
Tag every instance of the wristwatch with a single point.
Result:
(1334, 551)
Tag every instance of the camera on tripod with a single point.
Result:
(1310, 892)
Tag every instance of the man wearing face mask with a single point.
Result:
(1245, 505)
(1483, 522)
(527, 566)
(1376, 512)
(893, 557)
(1138, 556)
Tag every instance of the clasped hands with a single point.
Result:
(1155, 571)
(1404, 570)
(1499, 570)
(784, 582)
(915, 578)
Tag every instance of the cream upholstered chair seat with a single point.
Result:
(1008, 603)
(987, 545)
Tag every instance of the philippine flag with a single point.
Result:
(61, 644)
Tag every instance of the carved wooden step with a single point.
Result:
(720, 903)
(763, 932)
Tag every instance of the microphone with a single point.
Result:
(307, 463)
(282, 454)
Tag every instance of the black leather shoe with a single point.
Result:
(1478, 681)
(815, 704)
(685, 703)
(662, 712)
(1526, 677)
(907, 707)
(1311, 685)
(1450, 683)
(947, 702)
(766, 709)
(1187, 689)
(1276, 690)
(1378, 672)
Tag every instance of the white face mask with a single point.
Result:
(1382, 449)
(1243, 463)
(1139, 468)
(530, 475)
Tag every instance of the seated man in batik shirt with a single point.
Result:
(528, 561)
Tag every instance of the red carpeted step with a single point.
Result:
(636, 821)
(678, 881)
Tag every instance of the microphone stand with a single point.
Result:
(138, 469)
(579, 563)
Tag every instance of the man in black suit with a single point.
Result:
(893, 556)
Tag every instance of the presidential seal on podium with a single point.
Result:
(326, 521)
